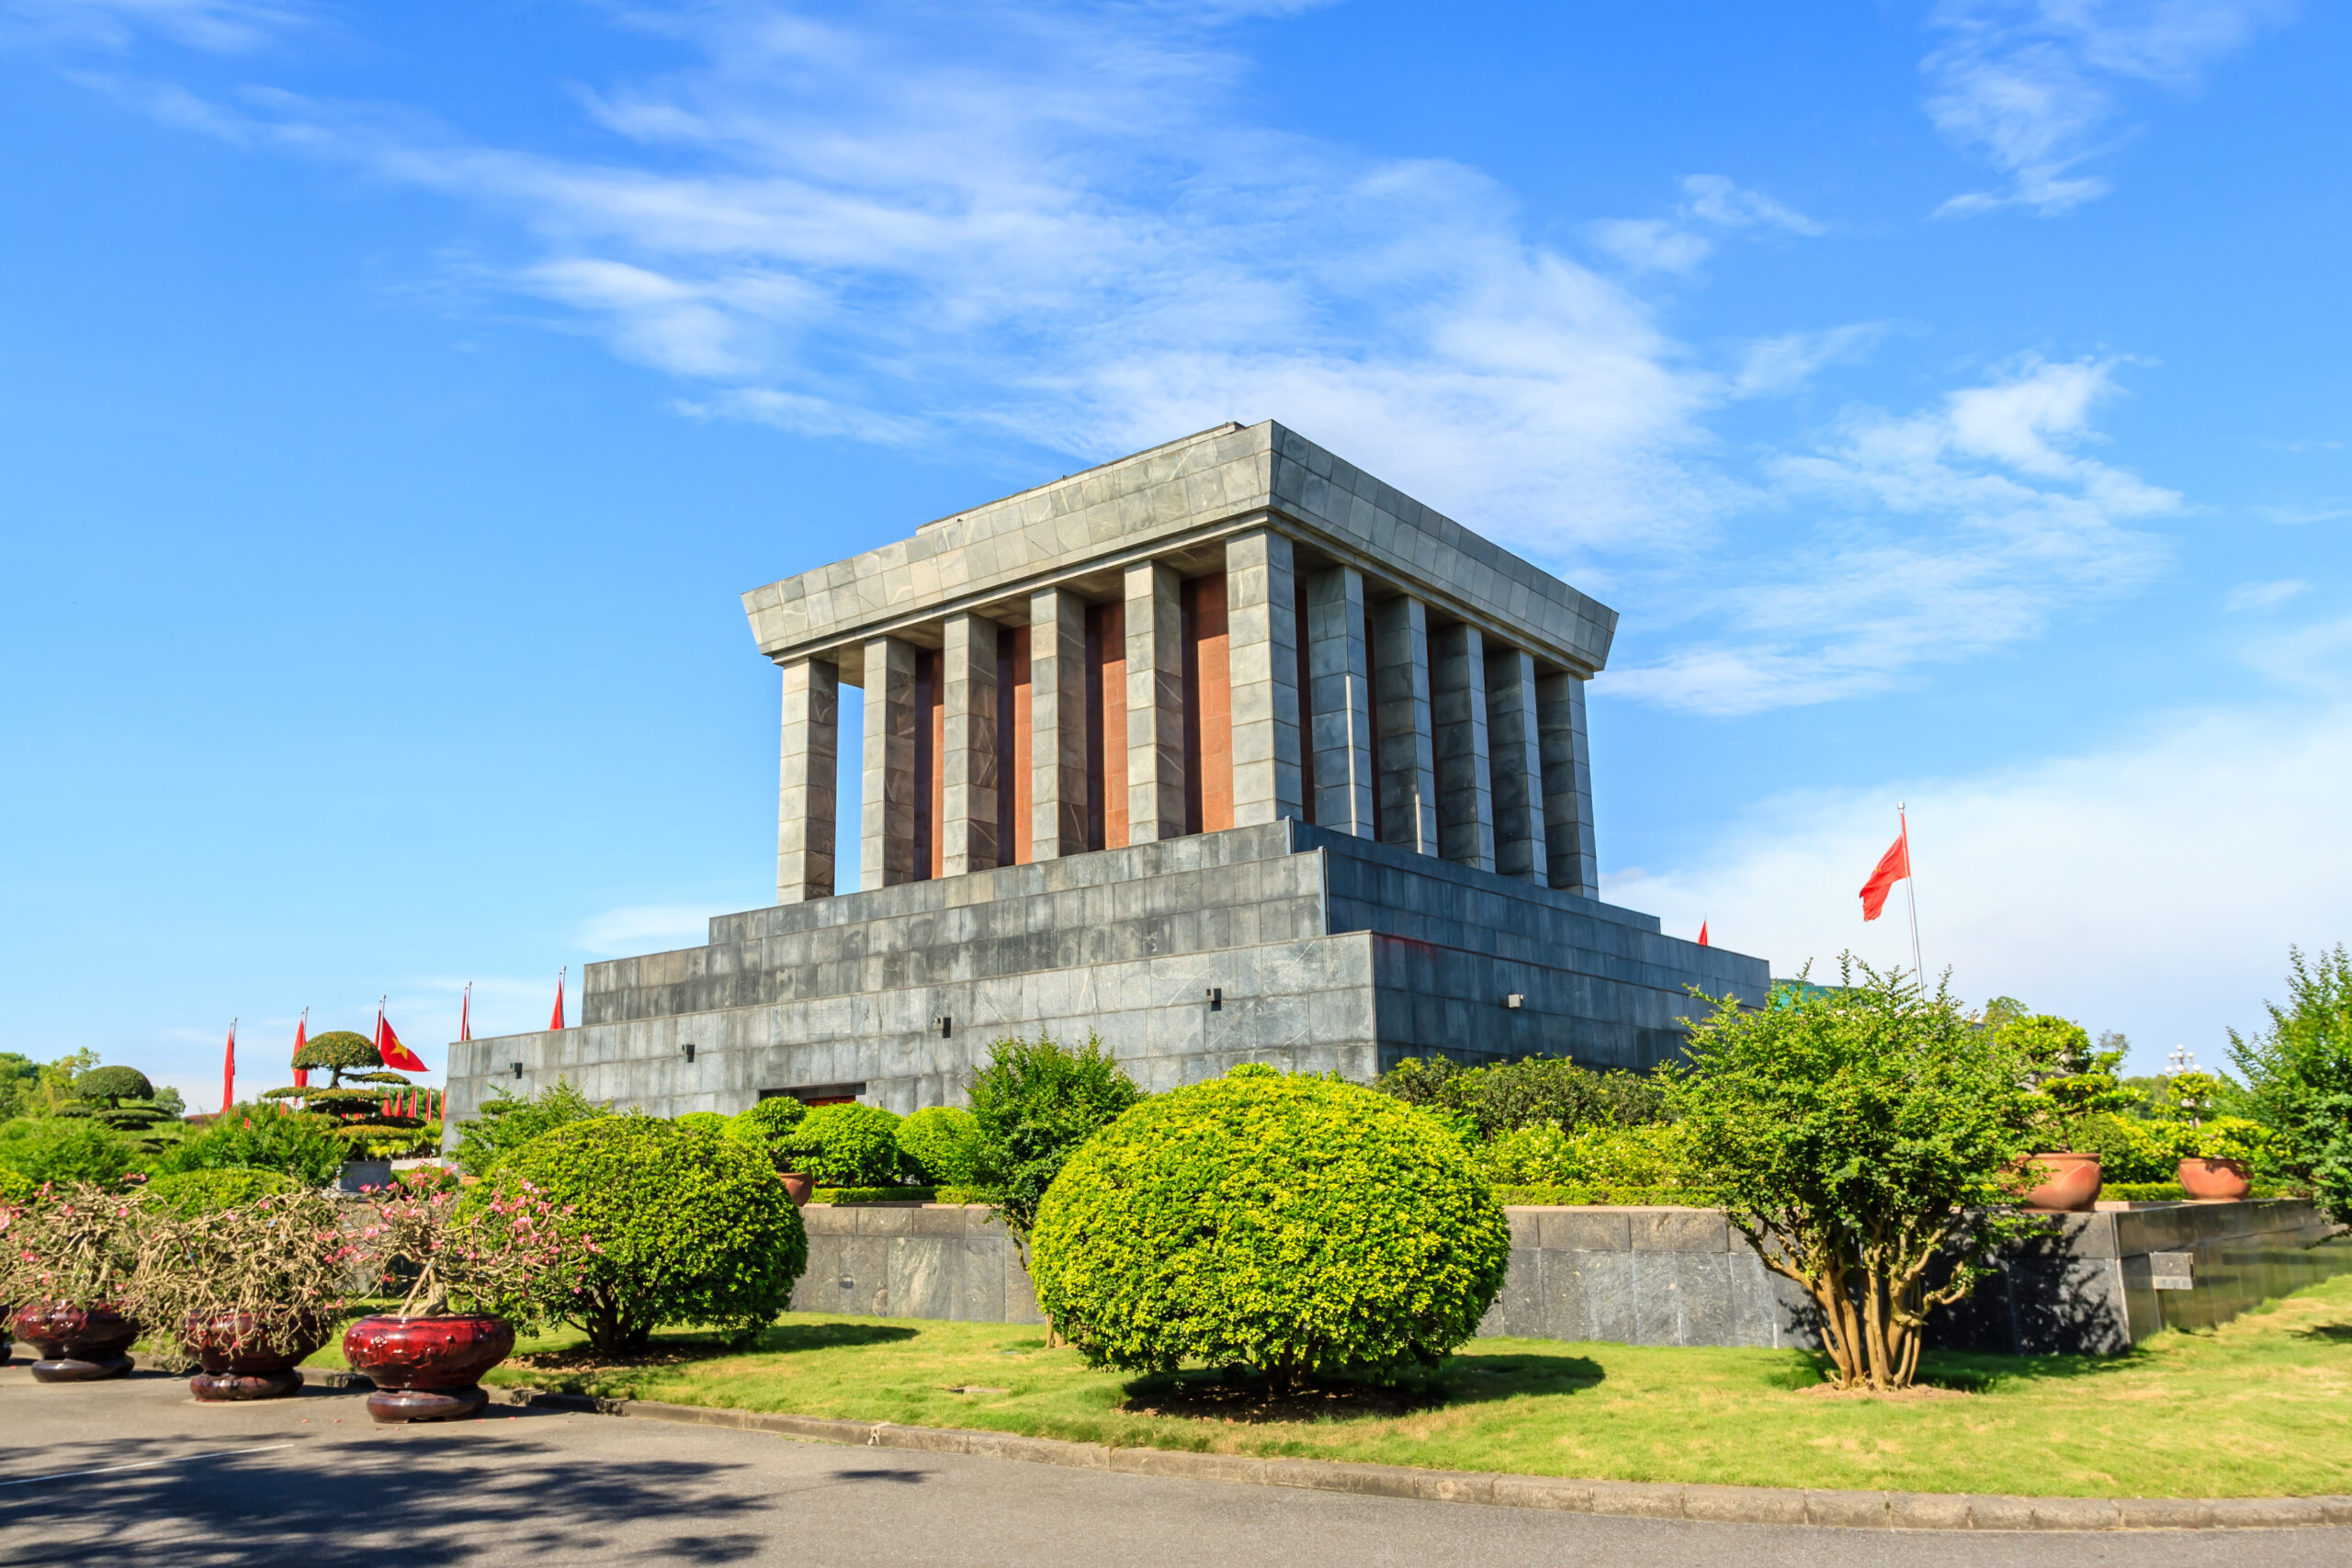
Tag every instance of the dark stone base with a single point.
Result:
(68, 1368)
(393, 1405)
(217, 1388)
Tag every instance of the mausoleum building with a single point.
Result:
(1224, 751)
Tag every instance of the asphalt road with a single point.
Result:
(137, 1473)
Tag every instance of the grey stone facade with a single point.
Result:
(1224, 752)
(1661, 1276)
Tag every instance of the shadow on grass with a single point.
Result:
(1239, 1394)
(2336, 1333)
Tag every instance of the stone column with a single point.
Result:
(1515, 751)
(1400, 690)
(1056, 759)
(1155, 704)
(1261, 658)
(1339, 672)
(1458, 720)
(1567, 785)
(886, 823)
(968, 755)
(807, 783)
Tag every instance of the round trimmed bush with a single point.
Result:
(112, 1085)
(193, 1192)
(1297, 1224)
(339, 1050)
(940, 1146)
(708, 1121)
(688, 1227)
(844, 1145)
(768, 1122)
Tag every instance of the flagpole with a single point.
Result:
(1910, 896)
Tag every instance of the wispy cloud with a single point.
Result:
(640, 927)
(2033, 86)
(216, 27)
(2258, 596)
(1712, 206)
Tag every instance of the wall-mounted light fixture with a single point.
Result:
(1514, 1000)
(518, 1069)
(1216, 998)
(690, 1049)
(945, 1024)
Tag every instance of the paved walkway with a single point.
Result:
(137, 1473)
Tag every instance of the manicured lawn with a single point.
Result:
(2261, 1406)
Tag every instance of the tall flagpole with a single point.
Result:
(1910, 898)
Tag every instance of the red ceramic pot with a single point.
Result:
(2215, 1180)
(798, 1185)
(2070, 1183)
(428, 1369)
(77, 1344)
(237, 1366)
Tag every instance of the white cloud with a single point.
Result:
(2258, 596)
(216, 27)
(647, 927)
(2030, 85)
(1944, 534)
(2152, 885)
(1677, 244)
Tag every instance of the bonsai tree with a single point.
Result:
(2299, 1075)
(1295, 1223)
(688, 1227)
(1033, 1104)
(1855, 1137)
(506, 1122)
(121, 1100)
(277, 1267)
(357, 1097)
(501, 1255)
(2075, 1082)
(843, 1145)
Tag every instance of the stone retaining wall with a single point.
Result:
(1661, 1276)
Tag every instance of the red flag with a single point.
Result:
(1893, 867)
(1702, 933)
(557, 1022)
(228, 1071)
(302, 1038)
(388, 1046)
(466, 1014)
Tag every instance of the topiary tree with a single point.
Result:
(768, 1124)
(265, 1137)
(1857, 1136)
(1297, 1224)
(121, 1098)
(111, 1087)
(844, 1145)
(1034, 1103)
(357, 1095)
(940, 1146)
(506, 1122)
(2075, 1081)
(689, 1227)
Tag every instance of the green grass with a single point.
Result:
(2257, 1407)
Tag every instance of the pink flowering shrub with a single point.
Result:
(497, 1255)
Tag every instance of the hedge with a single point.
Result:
(206, 1192)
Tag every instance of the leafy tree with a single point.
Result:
(19, 1082)
(1295, 1223)
(2299, 1077)
(506, 1122)
(168, 1100)
(688, 1227)
(1855, 1137)
(265, 1137)
(2074, 1081)
(1033, 1104)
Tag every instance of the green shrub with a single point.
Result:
(262, 1137)
(941, 1145)
(708, 1121)
(1648, 1159)
(1534, 1091)
(57, 1149)
(1033, 1104)
(1297, 1224)
(191, 1192)
(688, 1227)
(507, 1122)
(17, 1189)
(844, 1145)
(769, 1122)
(2132, 1149)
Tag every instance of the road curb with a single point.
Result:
(1634, 1499)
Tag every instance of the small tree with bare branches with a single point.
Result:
(1869, 1143)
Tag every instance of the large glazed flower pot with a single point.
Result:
(77, 1344)
(2069, 1183)
(2215, 1180)
(237, 1366)
(363, 1176)
(798, 1185)
(428, 1369)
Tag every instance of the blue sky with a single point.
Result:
(1952, 397)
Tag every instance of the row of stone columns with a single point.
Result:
(1434, 743)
